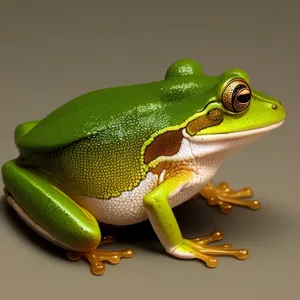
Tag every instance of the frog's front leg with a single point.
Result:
(167, 230)
(224, 196)
(56, 217)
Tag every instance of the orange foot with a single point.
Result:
(96, 256)
(224, 196)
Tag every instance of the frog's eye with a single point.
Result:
(236, 95)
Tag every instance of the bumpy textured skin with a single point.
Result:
(111, 150)
(98, 141)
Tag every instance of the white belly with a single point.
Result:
(204, 155)
(128, 207)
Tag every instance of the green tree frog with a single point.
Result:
(123, 155)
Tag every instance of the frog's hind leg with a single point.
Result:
(224, 196)
(56, 217)
(24, 128)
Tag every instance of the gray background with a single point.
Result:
(52, 51)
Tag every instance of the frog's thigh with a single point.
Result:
(48, 211)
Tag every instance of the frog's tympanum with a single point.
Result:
(126, 154)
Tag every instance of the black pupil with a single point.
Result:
(243, 98)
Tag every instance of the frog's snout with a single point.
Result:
(275, 106)
(279, 110)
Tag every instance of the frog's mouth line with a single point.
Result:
(232, 135)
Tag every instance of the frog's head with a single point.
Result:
(226, 106)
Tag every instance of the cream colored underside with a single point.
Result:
(205, 154)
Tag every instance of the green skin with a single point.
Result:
(59, 155)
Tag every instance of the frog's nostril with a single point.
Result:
(274, 106)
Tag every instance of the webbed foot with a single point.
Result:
(224, 196)
(96, 257)
(198, 248)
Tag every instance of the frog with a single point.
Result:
(124, 155)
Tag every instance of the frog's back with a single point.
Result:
(100, 144)
(83, 116)
(96, 111)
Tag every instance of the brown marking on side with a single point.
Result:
(166, 144)
(212, 118)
